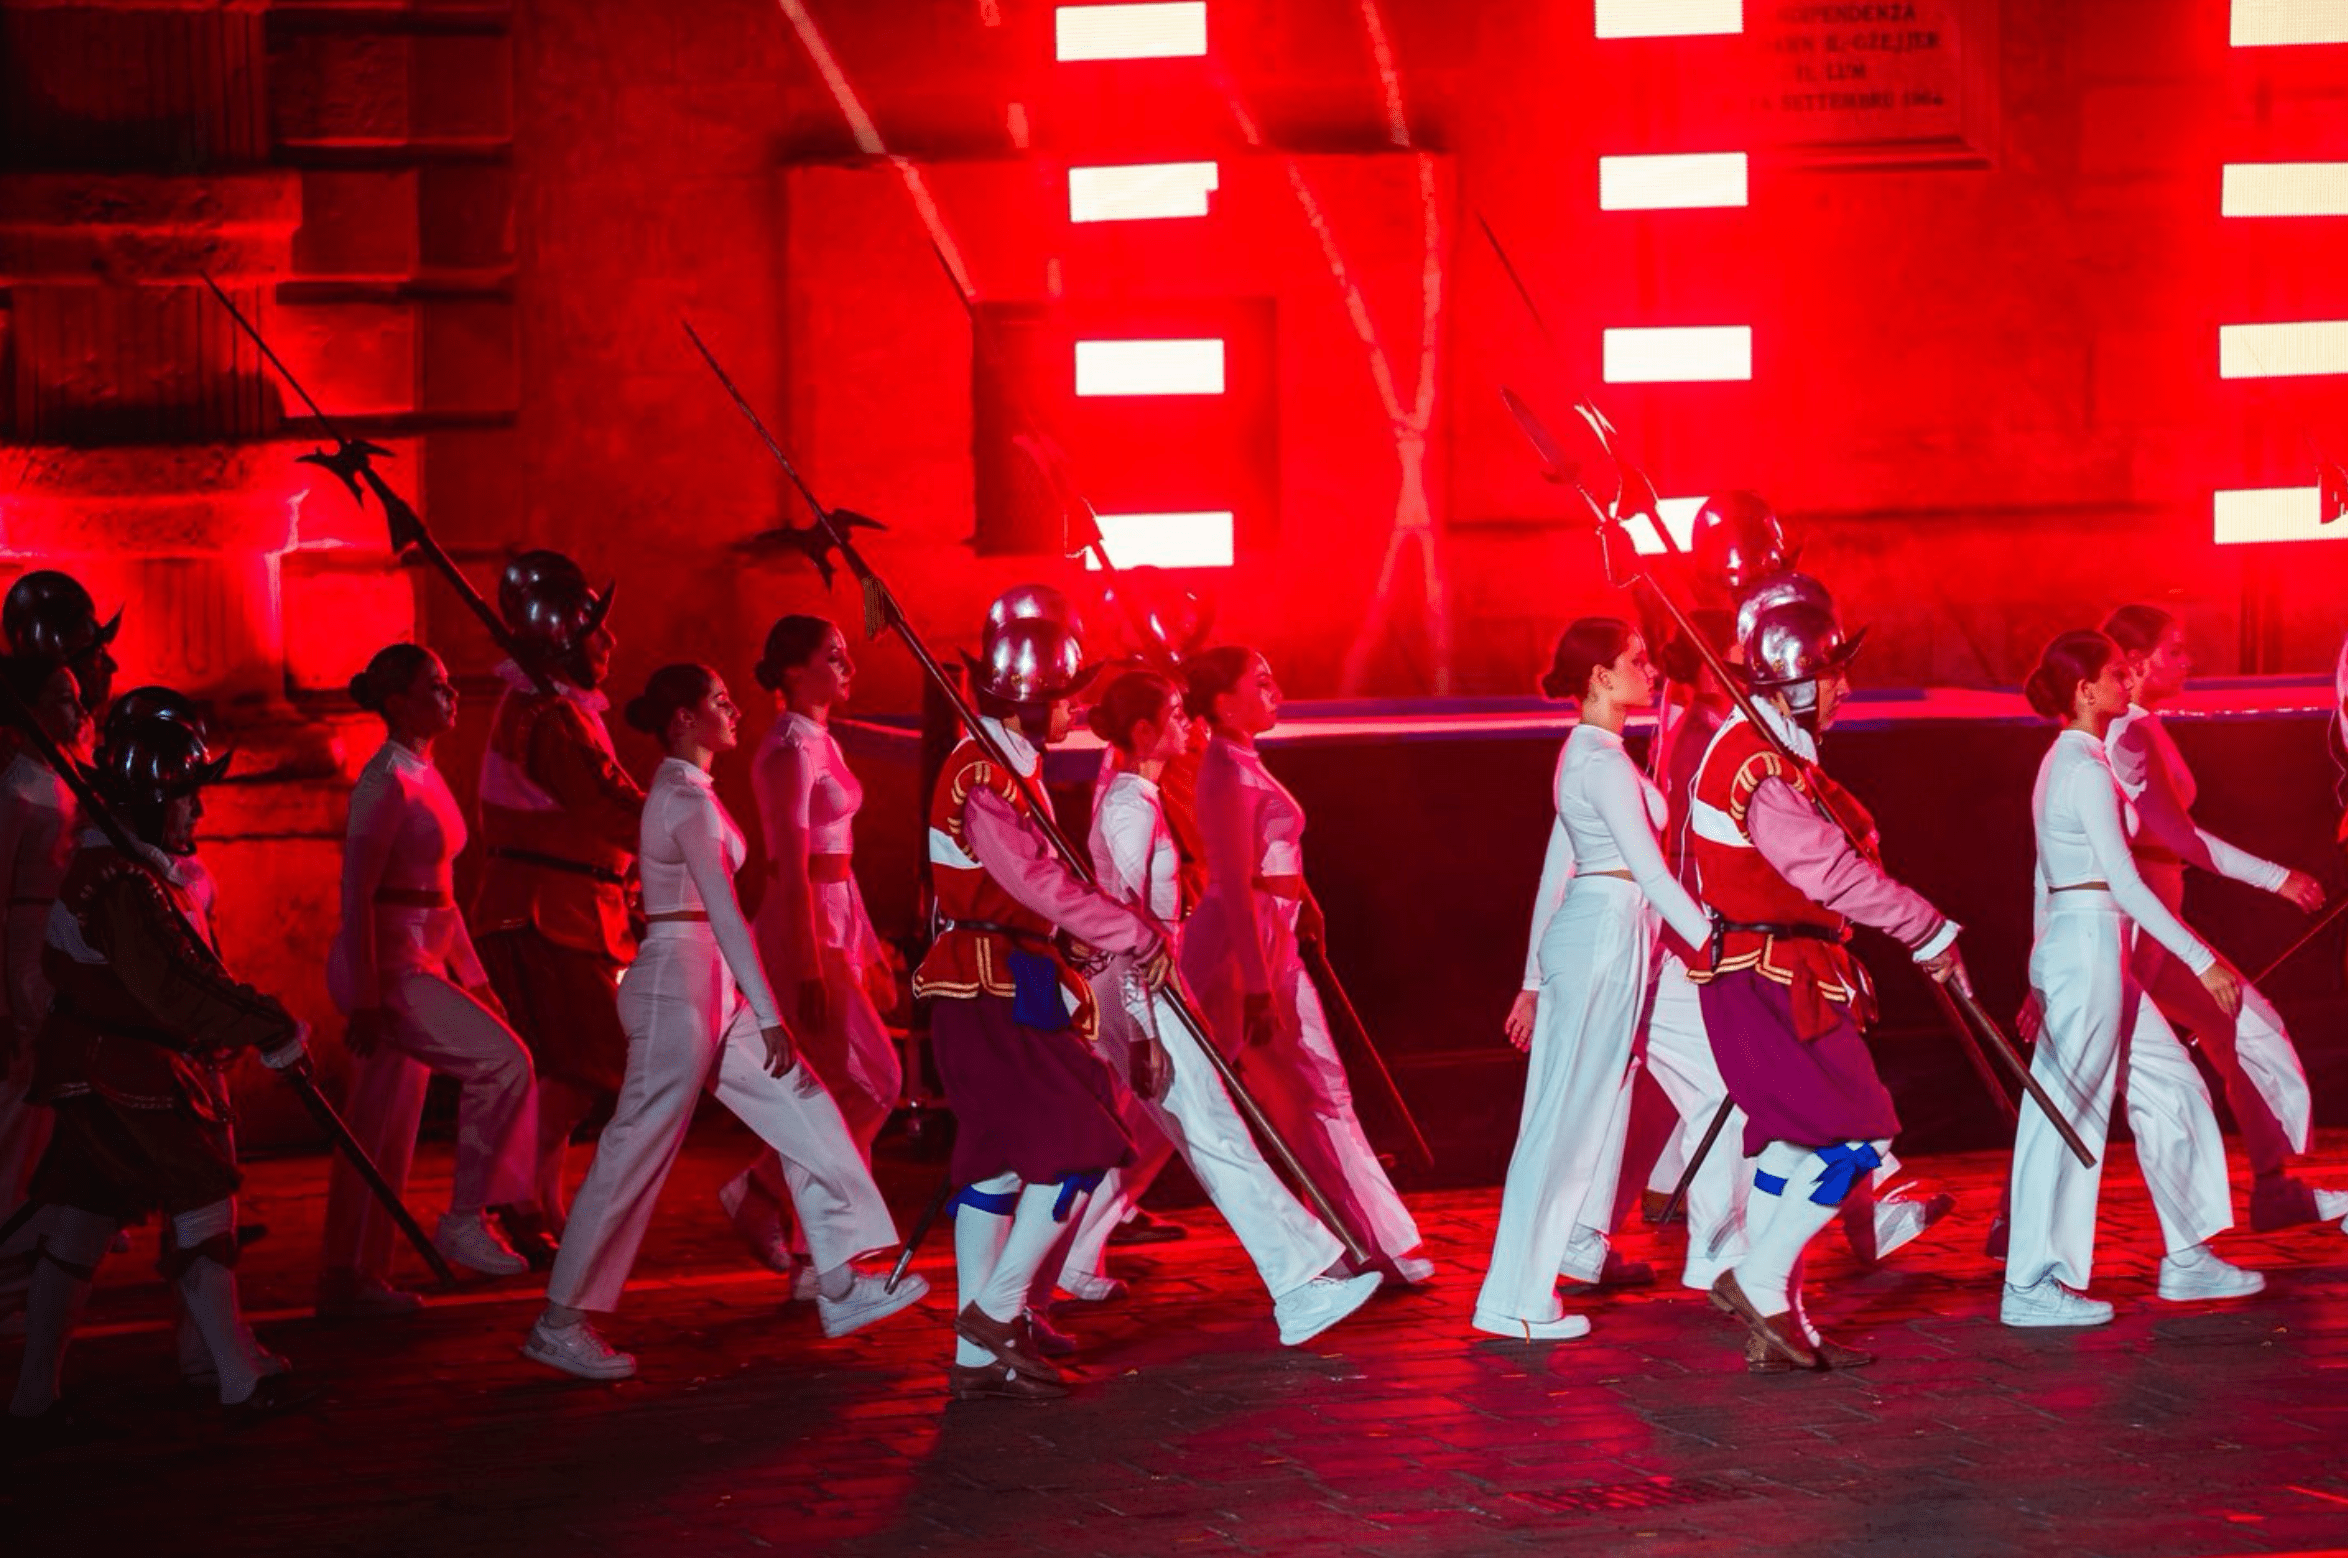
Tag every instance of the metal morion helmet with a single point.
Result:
(1039, 602)
(1793, 642)
(154, 702)
(149, 762)
(1030, 662)
(547, 602)
(1737, 540)
(49, 615)
(1779, 589)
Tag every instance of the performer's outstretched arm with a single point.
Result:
(1812, 853)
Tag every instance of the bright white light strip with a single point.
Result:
(1197, 540)
(1679, 355)
(2273, 514)
(1679, 517)
(1141, 191)
(1668, 18)
(2285, 351)
(1131, 32)
(2264, 22)
(1669, 183)
(2285, 189)
(1149, 367)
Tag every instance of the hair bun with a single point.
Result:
(1555, 686)
(363, 693)
(762, 674)
(643, 713)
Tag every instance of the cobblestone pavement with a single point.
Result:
(2178, 1430)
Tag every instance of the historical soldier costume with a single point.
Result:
(558, 827)
(1785, 1004)
(143, 1008)
(1013, 1022)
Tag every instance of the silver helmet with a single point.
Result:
(1737, 539)
(1779, 589)
(548, 604)
(1030, 662)
(1040, 602)
(154, 702)
(1790, 645)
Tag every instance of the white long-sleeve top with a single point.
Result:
(808, 798)
(2083, 824)
(38, 820)
(688, 851)
(2153, 775)
(1133, 850)
(1607, 816)
(404, 834)
(1251, 827)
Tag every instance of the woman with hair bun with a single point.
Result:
(1604, 885)
(818, 945)
(2250, 1049)
(404, 971)
(2095, 1023)
(699, 1013)
(1243, 954)
(1176, 1100)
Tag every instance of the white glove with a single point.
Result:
(292, 1052)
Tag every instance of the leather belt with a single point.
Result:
(678, 917)
(2082, 887)
(531, 857)
(1785, 930)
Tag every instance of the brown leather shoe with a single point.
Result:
(998, 1382)
(1834, 1355)
(1779, 1331)
(1007, 1340)
(1044, 1338)
(1761, 1358)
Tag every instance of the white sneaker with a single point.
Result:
(470, 1241)
(2047, 1303)
(2199, 1274)
(869, 1299)
(577, 1349)
(1562, 1329)
(1306, 1312)
(1089, 1289)
(1414, 1269)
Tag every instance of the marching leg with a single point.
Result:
(72, 1244)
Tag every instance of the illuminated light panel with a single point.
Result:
(1149, 367)
(2259, 23)
(2285, 189)
(1673, 182)
(1141, 191)
(1668, 18)
(2284, 351)
(1195, 540)
(1131, 32)
(2273, 514)
(1682, 354)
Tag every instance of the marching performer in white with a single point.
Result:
(814, 936)
(1242, 954)
(2265, 1083)
(2095, 1020)
(1175, 1089)
(1603, 885)
(404, 971)
(699, 1013)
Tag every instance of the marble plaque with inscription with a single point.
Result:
(1874, 82)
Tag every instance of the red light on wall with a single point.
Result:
(1669, 18)
(1202, 539)
(1130, 32)
(1193, 367)
(1682, 354)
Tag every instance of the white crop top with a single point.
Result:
(2083, 827)
(690, 851)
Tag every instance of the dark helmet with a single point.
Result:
(1738, 540)
(149, 762)
(548, 604)
(1168, 622)
(155, 702)
(48, 618)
